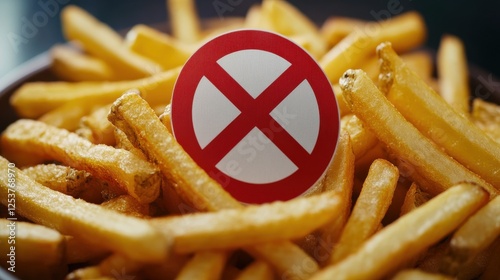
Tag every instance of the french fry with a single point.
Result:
(68, 115)
(102, 42)
(158, 46)
(453, 73)
(341, 103)
(89, 272)
(487, 117)
(338, 179)
(405, 31)
(132, 174)
(86, 221)
(414, 198)
(409, 235)
(60, 178)
(337, 28)
(466, 243)
(369, 210)
(419, 61)
(235, 228)
(35, 99)
(205, 265)
(279, 13)
(256, 271)
(122, 142)
(102, 130)
(130, 113)
(77, 250)
(415, 274)
(429, 165)
(362, 139)
(72, 65)
(34, 244)
(215, 27)
(118, 266)
(184, 20)
(127, 205)
(437, 120)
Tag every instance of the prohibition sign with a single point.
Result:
(258, 114)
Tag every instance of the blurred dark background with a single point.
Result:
(477, 23)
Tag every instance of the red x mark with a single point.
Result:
(255, 113)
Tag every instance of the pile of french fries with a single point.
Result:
(103, 190)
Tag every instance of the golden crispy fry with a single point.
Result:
(217, 26)
(437, 120)
(453, 73)
(258, 270)
(34, 244)
(102, 42)
(479, 232)
(234, 228)
(122, 142)
(132, 174)
(71, 65)
(118, 266)
(83, 220)
(127, 205)
(414, 198)
(415, 274)
(157, 46)
(131, 113)
(205, 265)
(428, 165)
(369, 210)
(338, 179)
(362, 138)
(409, 235)
(68, 115)
(337, 28)
(165, 118)
(405, 31)
(60, 178)
(278, 15)
(35, 99)
(184, 20)
(341, 103)
(77, 250)
(487, 117)
(419, 61)
(102, 130)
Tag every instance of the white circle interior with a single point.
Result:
(256, 159)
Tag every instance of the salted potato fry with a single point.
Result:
(437, 120)
(429, 165)
(205, 265)
(35, 99)
(131, 114)
(406, 237)
(157, 46)
(257, 270)
(127, 205)
(341, 103)
(405, 31)
(87, 221)
(362, 139)
(415, 274)
(279, 13)
(103, 42)
(132, 174)
(34, 244)
(103, 132)
(414, 198)
(60, 178)
(419, 61)
(68, 115)
(453, 73)
(369, 210)
(337, 28)
(184, 20)
(72, 65)
(487, 117)
(234, 228)
(467, 242)
(77, 250)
